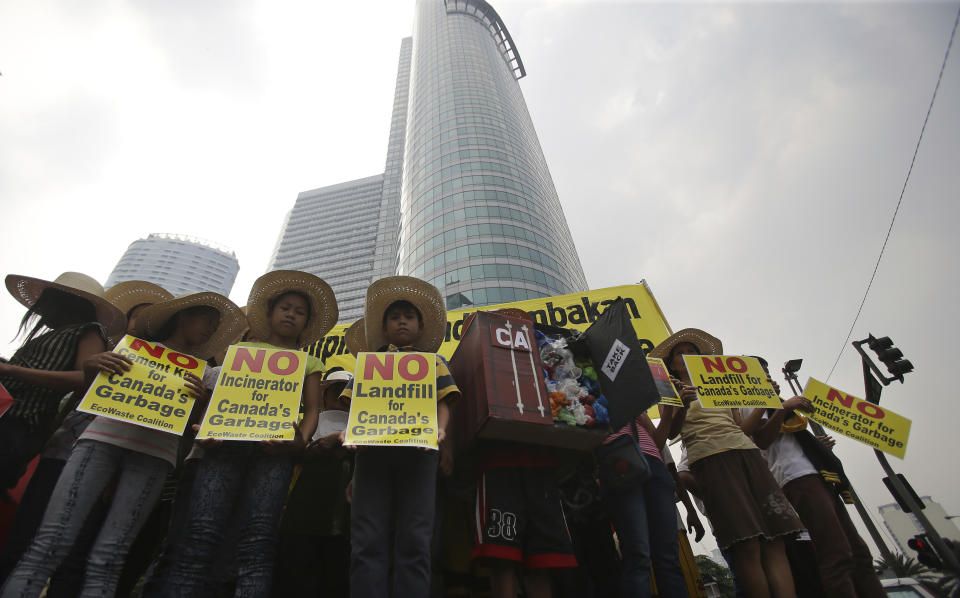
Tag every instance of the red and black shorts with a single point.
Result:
(519, 518)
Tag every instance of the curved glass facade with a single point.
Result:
(480, 217)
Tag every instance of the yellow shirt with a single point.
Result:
(707, 432)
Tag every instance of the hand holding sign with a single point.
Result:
(109, 362)
(801, 403)
(143, 383)
(283, 447)
(726, 381)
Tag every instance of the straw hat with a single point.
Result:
(356, 337)
(705, 343)
(221, 355)
(27, 290)
(323, 303)
(131, 293)
(232, 320)
(423, 295)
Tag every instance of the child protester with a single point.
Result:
(749, 511)
(286, 310)
(520, 530)
(313, 550)
(813, 480)
(130, 298)
(394, 488)
(68, 321)
(139, 457)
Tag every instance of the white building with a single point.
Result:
(903, 526)
(178, 263)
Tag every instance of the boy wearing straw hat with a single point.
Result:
(394, 488)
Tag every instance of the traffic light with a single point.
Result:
(925, 552)
(891, 356)
(900, 499)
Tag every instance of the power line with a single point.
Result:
(903, 190)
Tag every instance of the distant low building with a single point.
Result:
(178, 263)
(903, 526)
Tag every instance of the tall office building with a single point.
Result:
(480, 217)
(178, 263)
(331, 232)
(466, 199)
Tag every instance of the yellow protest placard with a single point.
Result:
(394, 400)
(725, 381)
(860, 420)
(257, 396)
(661, 377)
(153, 394)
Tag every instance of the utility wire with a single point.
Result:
(903, 190)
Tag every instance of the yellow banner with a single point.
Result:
(668, 392)
(257, 396)
(576, 310)
(858, 419)
(725, 381)
(153, 394)
(394, 400)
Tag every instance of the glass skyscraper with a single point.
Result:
(480, 217)
(466, 198)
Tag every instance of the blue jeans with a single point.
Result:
(391, 520)
(645, 518)
(257, 484)
(89, 469)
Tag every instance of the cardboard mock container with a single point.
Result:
(503, 397)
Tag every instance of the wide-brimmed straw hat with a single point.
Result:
(232, 321)
(323, 303)
(27, 290)
(356, 337)
(424, 296)
(221, 355)
(131, 293)
(705, 343)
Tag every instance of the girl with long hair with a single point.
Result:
(140, 458)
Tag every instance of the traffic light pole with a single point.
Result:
(945, 553)
(818, 430)
(873, 388)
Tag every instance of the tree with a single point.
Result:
(711, 571)
(904, 566)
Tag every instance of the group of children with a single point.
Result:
(114, 508)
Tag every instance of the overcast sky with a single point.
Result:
(744, 159)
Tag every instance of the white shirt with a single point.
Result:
(785, 457)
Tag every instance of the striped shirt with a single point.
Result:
(644, 440)
(446, 387)
(56, 351)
